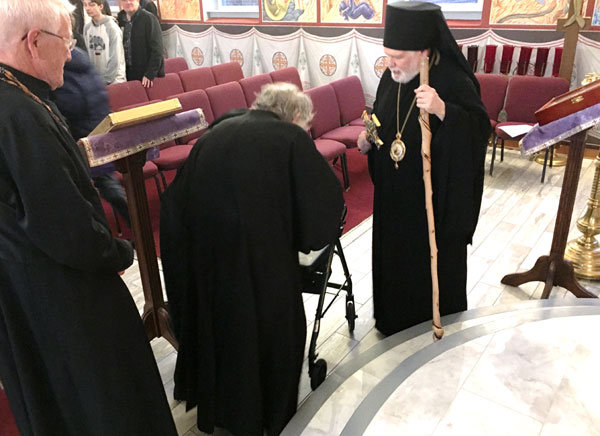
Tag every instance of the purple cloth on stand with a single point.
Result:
(111, 146)
(541, 137)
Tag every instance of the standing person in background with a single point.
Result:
(149, 6)
(104, 44)
(460, 130)
(142, 40)
(74, 355)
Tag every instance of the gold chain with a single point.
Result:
(8, 77)
(412, 105)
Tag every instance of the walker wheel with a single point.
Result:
(350, 315)
(318, 373)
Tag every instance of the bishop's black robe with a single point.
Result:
(253, 192)
(74, 357)
(401, 264)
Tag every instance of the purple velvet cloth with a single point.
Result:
(112, 146)
(541, 137)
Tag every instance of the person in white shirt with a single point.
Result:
(103, 40)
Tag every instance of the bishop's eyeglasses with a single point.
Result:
(69, 42)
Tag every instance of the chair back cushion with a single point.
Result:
(289, 74)
(125, 94)
(175, 65)
(252, 85)
(194, 100)
(164, 87)
(493, 92)
(197, 78)
(526, 94)
(227, 72)
(350, 98)
(325, 107)
(226, 97)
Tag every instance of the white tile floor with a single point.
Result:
(515, 228)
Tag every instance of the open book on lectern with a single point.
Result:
(130, 131)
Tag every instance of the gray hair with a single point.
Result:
(287, 101)
(17, 17)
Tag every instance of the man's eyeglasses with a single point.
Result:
(69, 42)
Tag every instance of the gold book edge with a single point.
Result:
(137, 115)
(88, 152)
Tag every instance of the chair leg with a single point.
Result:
(346, 177)
(117, 223)
(493, 155)
(164, 180)
(158, 188)
(502, 151)
(545, 163)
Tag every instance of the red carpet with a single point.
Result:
(7, 422)
(359, 199)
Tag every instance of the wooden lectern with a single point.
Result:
(128, 139)
(567, 116)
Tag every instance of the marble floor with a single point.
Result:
(512, 363)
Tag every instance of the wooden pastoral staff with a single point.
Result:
(567, 116)
(129, 138)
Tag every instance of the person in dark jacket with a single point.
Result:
(83, 101)
(142, 40)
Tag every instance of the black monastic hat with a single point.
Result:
(415, 25)
(411, 25)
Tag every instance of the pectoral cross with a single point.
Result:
(571, 26)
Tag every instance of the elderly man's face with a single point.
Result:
(403, 64)
(52, 53)
(130, 6)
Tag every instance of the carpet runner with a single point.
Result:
(7, 422)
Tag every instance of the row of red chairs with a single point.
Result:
(191, 87)
(513, 101)
(523, 66)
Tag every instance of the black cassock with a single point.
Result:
(253, 192)
(401, 265)
(74, 357)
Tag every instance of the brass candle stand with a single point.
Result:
(584, 252)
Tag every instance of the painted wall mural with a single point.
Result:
(179, 9)
(302, 11)
(529, 12)
(351, 11)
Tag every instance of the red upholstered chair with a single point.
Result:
(289, 74)
(523, 63)
(197, 78)
(489, 58)
(472, 55)
(332, 151)
(175, 65)
(506, 60)
(125, 94)
(165, 87)
(326, 122)
(493, 93)
(351, 100)
(226, 97)
(252, 85)
(193, 100)
(525, 95)
(557, 59)
(541, 59)
(227, 72)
